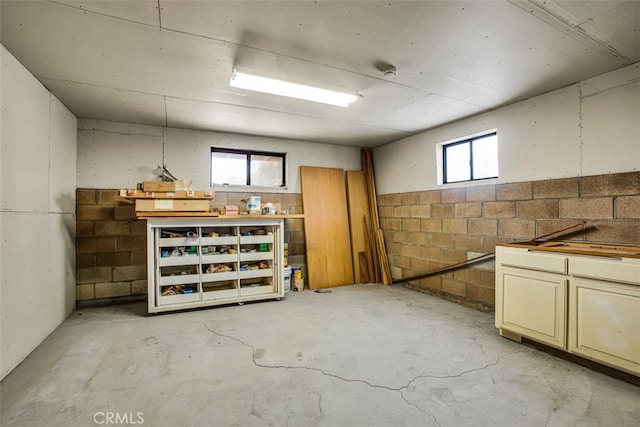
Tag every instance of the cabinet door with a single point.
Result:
(604, 323)
(532, 304)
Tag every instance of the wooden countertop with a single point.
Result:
(211, 215)
(580, 248)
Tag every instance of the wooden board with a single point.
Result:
(364, 271)
(358, 204)
(326, 227)
(372, 264)
(383, 261)
(166, 186)
(169, 205)
(168, 214)
(139, 194)
(580, 248)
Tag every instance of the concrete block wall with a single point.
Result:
(111, 243)
(427, 230)
(111, 253)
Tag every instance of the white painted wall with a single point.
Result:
(120, 155)
(589, 128)
(37, 217)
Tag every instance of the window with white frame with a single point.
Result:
(470, 159)
(247, 168)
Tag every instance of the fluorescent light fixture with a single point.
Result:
(291, 90)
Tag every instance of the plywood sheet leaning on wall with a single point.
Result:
(358, 203)
(326, 227)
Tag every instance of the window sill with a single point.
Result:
(249, 189)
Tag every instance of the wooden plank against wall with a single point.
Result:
(358, 203)
(326, 227)
(367, 167)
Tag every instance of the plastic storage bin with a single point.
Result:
(287, 278)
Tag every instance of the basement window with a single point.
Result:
(247, 168)
(470, 159)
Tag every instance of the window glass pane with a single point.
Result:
(485, 157)
(266, 170)
(228, 168)
(457, 159)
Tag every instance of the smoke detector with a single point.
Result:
(389, 71)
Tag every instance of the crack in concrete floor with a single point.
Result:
(399, 390)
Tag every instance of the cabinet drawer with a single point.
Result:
(267, 238)
(178, 294)
(611, 269)
(219, 259)
(178, 299)
(249, 274)
(256, 256)
(178, 241)
(532, 260)
(219, 241)
(216, 277)
(257, 290)
(220, 294)
(179, 279)
(178, 260)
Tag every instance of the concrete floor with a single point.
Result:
(363, 355)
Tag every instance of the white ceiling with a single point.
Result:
(168, 63)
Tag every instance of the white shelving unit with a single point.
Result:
(204, 262)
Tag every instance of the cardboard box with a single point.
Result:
(231, 210)
(166, 186)
(170, 205)
(253, 204)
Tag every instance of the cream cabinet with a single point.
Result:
(588, 305)
(535, 305)
(531, 296)
(604, 311)
(204, 262)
